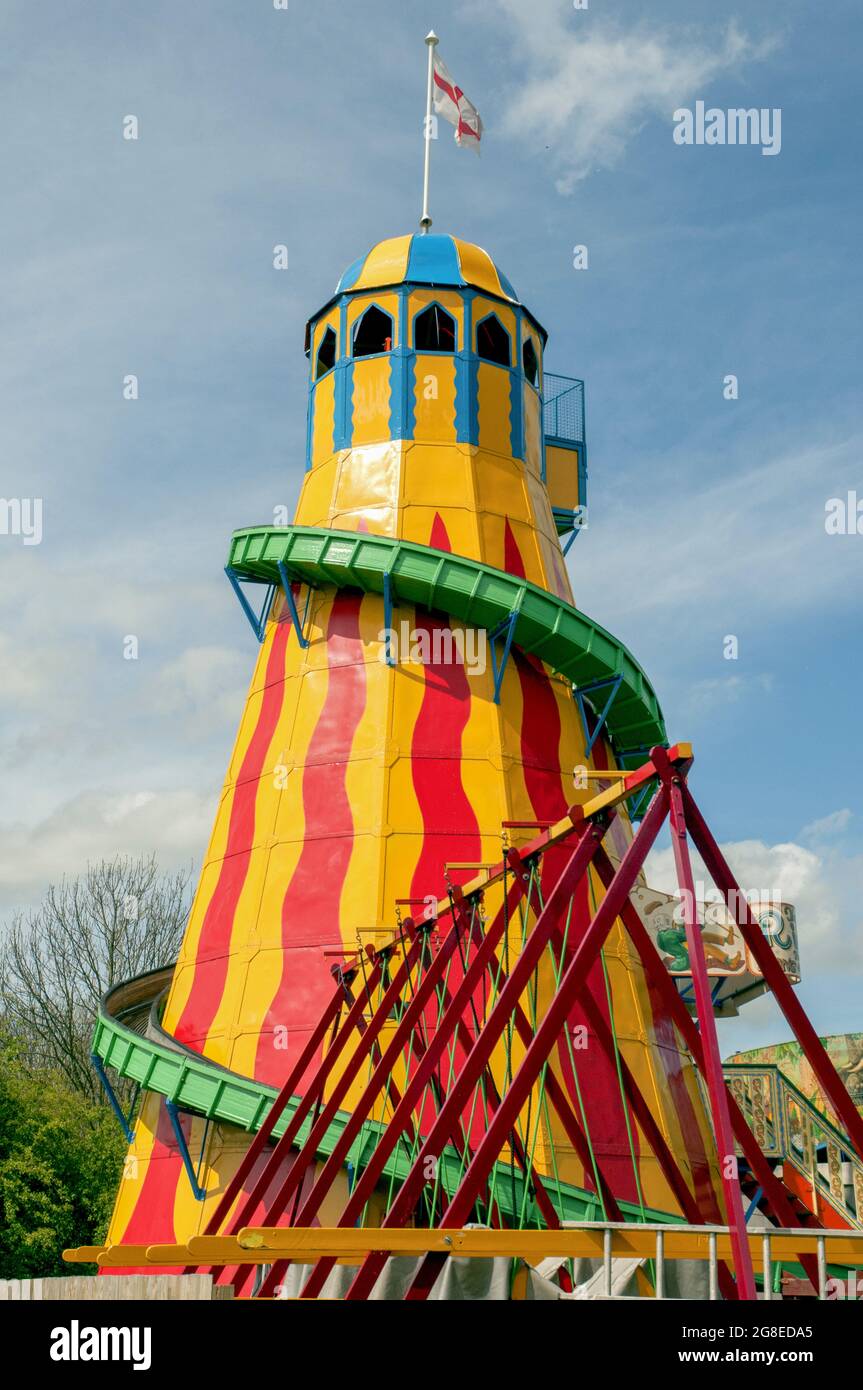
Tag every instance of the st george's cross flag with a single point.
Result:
(451, 103)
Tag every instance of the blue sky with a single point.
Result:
(154, 257)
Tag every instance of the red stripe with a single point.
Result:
(212, 956)
(152, 1221)
(311, 905)
(454, 93)
(540, 755)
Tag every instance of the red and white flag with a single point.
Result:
(451, 103)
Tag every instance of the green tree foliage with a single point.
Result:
(61, 1148)
(60, 1157)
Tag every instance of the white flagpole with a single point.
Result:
(432, 41)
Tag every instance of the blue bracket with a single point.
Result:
(506, 626)
(570, 539)
(752, 1205)
(257, 624)
(580, 691)
(112, 1097)
(388, 615)
(637, 811)
(198, 1192)
(292, 607)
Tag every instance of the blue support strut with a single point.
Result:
(198, 1192)
(112, 1096)
(388, 617)
(292, 607)
(257, 624)
(506, 626)
(580, 691)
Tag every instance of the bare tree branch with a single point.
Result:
(118, 919)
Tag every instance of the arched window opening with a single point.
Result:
(530, 361)
(373, 333)
(326, 353)
(434, 330)
(492, 341)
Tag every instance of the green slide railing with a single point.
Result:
(157, 1062)
(545, 626)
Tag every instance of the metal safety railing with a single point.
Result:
(791, 1129)
(563, 408)
(601, 1241)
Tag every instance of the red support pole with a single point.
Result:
(672, 779)
(679, 1014)
(774, 976)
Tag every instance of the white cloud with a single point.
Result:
(824, 888)
(707, 696)
(749, 542)
(828, 827)
(591, 85)
(95, 825)
(206, 682)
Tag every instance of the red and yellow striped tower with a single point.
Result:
(386, 744)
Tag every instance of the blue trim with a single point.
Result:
(342, 409)
(310, 423)
(259, 624)
(636, 812)
(580, 691)
(505, 284)
(356, 323)
(506, 626)
(112, 1097)
(516, 399)
(352, 274)
(198, 1192)
(388, 616)
(492, 315)
(759, 1193)
(465, 379)
(473, 400)
(400, 395)
(292, 607)
(424, 308)
(433, 260)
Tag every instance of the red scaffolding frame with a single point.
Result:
(458, 996)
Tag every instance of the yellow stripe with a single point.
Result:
(386, 263)
(478, 268)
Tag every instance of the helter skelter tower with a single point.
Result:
(394, 929)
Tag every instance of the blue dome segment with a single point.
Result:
(433, 260)
(351, 275)
(427, 260)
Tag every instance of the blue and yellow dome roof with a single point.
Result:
(427, 260)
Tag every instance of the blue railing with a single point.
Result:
(563, 408)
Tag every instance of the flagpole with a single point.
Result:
(431, 41)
